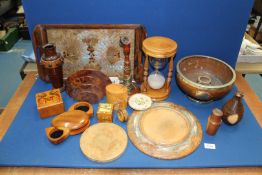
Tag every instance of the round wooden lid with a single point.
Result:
(72, 120)
(116, 89)
(103, 142)
(159, 47)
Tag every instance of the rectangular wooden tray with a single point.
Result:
(73, 40)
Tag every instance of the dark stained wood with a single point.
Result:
(233, 109)
(87, 85)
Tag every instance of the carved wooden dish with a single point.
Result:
(165, 131)
(87, 85)
(103, 142)
(204, 78)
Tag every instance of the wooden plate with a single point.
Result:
(103, 142)
(165, 131)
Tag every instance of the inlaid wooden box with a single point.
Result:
(49, 103)
(105, 112)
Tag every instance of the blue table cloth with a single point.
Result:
(25, 143)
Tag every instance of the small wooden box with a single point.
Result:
(49, 103)
(105, 112)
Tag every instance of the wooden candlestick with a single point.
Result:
(127, 79)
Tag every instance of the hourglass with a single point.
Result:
(159, 51)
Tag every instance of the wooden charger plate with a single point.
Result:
(165, 131)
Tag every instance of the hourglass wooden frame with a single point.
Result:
(158, 48)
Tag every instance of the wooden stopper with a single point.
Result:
(214, 121)
(117, 95)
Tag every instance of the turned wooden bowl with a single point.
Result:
(87, 85)
(204, 78)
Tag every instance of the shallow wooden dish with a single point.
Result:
(87, 85)
(204, 78)
(165, 131)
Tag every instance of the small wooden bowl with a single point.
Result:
(83, 106)
(204, 78)
(57, 135)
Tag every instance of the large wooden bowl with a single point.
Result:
(204, 78)
(87, 85)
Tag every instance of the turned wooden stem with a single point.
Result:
(145, 73)
(170, 72)
(127, 70)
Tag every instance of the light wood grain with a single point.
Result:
(255, 106)
(71, 171)
(249, 68)
(250, 97)
(15, 103)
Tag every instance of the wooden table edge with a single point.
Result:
(15, 103)
(251, 98)
(84, 171)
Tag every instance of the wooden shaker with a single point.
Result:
(214, 121)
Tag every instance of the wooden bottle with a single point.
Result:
(233, 110)
(214, 121)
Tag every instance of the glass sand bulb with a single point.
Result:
(156, 80)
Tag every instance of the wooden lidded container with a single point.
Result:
(214, 121)
(104, 112)
(117, 95)
(49, 103)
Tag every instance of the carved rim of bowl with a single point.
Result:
(197, 85)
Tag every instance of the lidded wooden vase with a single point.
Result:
(53, 64)
(233, 109)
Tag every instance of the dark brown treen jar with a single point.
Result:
(233, 110)
(214, 121)
(53, 63)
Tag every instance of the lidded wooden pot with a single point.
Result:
(53, 64)
(117, 94)
(159, 51)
